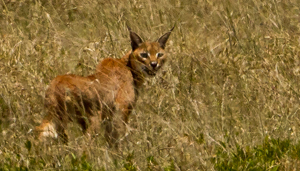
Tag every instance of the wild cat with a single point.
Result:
(108, 94)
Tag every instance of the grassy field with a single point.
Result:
(228, 99)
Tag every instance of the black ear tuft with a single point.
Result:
(129, 29)
(163, 39)
(135, 39)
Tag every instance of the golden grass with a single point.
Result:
(232, 77)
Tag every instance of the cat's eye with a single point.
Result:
(159, 55)
(144, 55)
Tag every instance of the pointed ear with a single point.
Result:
(135, 39)
(163, 39)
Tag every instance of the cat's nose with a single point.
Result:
(153, 64)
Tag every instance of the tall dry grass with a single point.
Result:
(232, 80)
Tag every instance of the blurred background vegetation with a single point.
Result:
(228, 99)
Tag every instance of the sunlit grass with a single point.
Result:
(228, 95)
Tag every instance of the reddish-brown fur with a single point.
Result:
(106, 96)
